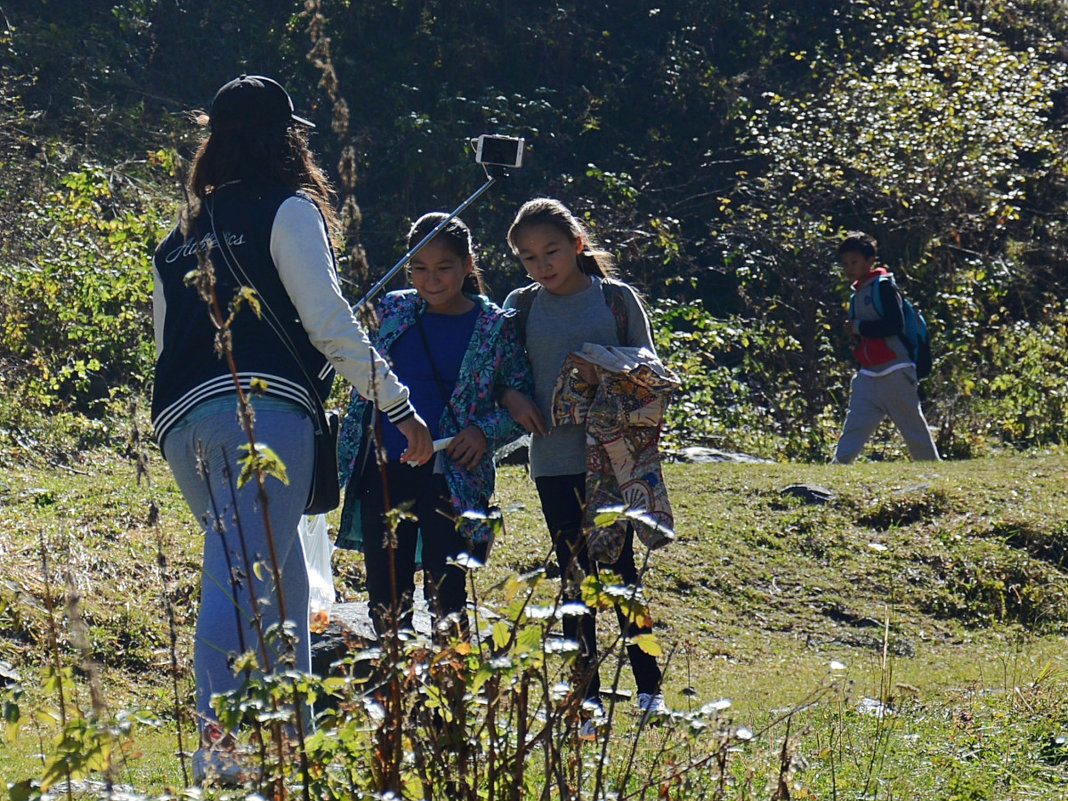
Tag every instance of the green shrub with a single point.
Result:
(742, 387)
(77, 317)
(1026, 399)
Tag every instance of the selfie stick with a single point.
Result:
(404, 259)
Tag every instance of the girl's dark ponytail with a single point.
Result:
(596, 262)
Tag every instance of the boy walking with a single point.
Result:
(886, 383)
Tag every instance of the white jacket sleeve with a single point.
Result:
(302, 253)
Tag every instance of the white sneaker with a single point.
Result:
(221, 767)
(596, 719)
(652, 705)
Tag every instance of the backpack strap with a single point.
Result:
(614, 298)
(877, 295)
(524, 299)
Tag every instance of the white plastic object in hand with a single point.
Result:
(439, 445)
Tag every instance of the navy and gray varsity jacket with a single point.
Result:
(236, 224)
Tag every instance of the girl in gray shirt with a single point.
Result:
(573, 301)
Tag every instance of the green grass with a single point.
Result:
(937, 590)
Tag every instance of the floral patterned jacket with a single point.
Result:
(494, 361)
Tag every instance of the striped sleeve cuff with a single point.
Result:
(399, 412)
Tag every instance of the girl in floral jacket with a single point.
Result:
(457, 352)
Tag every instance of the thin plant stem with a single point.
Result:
(53, 644)
(172, 632)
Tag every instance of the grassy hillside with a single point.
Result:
(905, 639)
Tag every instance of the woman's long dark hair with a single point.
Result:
(457, 236)
(262, 156)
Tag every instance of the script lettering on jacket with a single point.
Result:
(189, 247)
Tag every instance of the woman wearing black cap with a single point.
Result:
(258, 207)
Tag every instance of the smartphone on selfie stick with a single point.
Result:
(491, 150)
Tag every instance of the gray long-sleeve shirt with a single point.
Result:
(556, 326)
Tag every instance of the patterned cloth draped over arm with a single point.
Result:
(623, 415)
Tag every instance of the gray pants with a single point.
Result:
(874, 398)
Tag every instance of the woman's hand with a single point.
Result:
(524, 411)
(420, 443)
(468, 447)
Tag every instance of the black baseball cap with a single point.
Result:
(252, 101)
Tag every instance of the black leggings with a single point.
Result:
(446, 583)
(562, 500)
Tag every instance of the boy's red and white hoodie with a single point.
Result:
(879, 349)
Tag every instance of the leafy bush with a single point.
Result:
(1026, 399)
(744, 386)
(76, 328)
(494, 718)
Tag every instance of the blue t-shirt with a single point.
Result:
(447, 336)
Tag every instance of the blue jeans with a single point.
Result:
(236, 538)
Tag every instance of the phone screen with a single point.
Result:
(506, 151)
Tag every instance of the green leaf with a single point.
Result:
(649, 644)
(501, 634)
(529, 641)
(264, 461)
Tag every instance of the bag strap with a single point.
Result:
(877, 295)
(242, 277)
(524, 299)
(616, 302)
